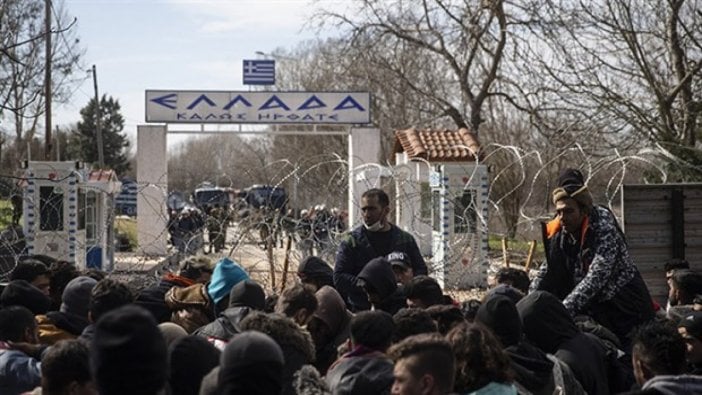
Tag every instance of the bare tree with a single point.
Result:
(630, 69)
(22, 64)
(461, 43)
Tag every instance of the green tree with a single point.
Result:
(83, 139)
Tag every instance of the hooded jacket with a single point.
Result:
(191, 306)
(593, 270)
(314, 267)
(355, 251)
(153, 298)
(295, 342)
(533, 370)
(378, 273)
(548, 325)
(245, 297)
(72, 319)
(332, 311)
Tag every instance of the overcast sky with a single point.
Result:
(176, 44)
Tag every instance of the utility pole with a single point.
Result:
(47, 81)
(98, 125)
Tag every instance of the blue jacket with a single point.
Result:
(19, 372)
(355, 251)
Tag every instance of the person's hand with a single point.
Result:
(33, 350)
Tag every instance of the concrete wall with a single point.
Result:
(364, 153)
(152, 178)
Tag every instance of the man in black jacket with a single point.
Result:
(376, 237)
(588, 265)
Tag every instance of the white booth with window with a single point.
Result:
(69, 213)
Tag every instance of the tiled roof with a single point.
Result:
(438, 145)
(102, 175)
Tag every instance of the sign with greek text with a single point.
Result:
(257, 107)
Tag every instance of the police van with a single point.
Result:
(207, 195)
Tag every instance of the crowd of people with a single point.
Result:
(373, 322)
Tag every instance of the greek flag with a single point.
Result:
(259, 72)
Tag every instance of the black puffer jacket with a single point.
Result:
(225, 326)
(360, 375)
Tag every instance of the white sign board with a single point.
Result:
(257, 107)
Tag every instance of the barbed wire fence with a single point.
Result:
(270, 242)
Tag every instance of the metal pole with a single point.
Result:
(58, 144)
(98, 125)
(47, 80)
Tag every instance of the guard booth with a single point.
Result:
(443, 201)
(69, 213)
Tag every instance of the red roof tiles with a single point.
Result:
(438, 145)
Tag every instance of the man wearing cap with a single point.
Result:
(690, 328)
(402, 266)
(375, 238)
(588, 264)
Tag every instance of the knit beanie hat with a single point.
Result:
(571, 184)
(128, 353)
(227, 274)
(247, 293)
(76, 296)
(22, 293)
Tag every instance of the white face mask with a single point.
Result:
(377, 226)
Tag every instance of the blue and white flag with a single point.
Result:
(259, 72)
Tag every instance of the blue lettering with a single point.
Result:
(312, 103)
(293, 117)
(264, 116)
(235, 100)
(167, 100)
(211, 116)
(195, 116)
(181, 115)
(308, 117)
(274, 102)
(225, 116)
(199, 99)
(349, 103)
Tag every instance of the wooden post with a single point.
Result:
(269, 251)
(286, 264)
(530, 257)
(505, 257)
